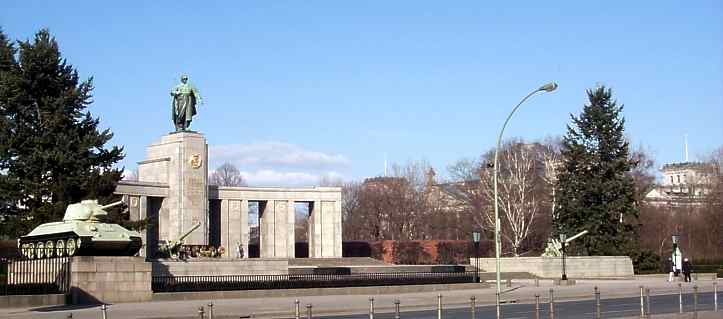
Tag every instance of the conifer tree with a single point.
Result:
(52, 151)
(595, 189)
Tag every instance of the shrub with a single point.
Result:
(356, 249)
(454, 252)
(410, 253)
(646, 262)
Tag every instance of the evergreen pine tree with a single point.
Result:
(595, 189)
(52, 151)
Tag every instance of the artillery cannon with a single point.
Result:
(170, 249)
(81, 233)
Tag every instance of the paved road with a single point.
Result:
(619, 300)
(611, 308)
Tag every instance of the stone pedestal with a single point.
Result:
(96, 279)
(180, 160)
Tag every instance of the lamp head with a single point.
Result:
(549, 87)
(476, 236)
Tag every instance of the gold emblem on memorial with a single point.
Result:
(196, 161)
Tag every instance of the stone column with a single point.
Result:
(327, 229)
(234, 227)
(225, 228)
(281, 228)
(180, 159)
(142, 214)
(267, 221)
(337, 230)
(290, 230)
(244, 215)
(315, 230)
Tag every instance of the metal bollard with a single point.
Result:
(104, 311)
(297, 314)
(308, 311)
(439, 306)
(537, 306)
(680, 298)
(200, 312)
(598, 310)
(371, 308)
(647, 302)
(537, 282)
(509, 283)
(642, 303)
(473, 306)
(552, 304)
(210, 310)
(396, 309)
(695, 302)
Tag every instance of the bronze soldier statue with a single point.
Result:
(183, 108)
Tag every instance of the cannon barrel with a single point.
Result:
(112, 204)
(180, 239)
(170, 249)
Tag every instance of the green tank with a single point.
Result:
(81, 233)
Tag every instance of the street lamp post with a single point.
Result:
(563, 238)
(549, 87)
(475, 238)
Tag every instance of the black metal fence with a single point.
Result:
(24, 276)
(255, 282)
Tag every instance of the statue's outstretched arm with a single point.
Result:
(199, 99)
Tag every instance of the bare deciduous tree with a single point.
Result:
(517, 184)
(226, 175)
(551, 159)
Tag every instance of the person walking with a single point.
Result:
(671, 269)
(687, 268)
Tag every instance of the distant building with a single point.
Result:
(683, 183)
(454, 197)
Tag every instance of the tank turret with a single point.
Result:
(81, 232)
(87, 210)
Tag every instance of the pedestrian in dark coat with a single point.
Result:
(687, 269)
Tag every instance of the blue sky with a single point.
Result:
(298, 89)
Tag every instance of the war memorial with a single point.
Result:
(96, 263)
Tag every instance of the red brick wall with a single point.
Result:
(426, 251)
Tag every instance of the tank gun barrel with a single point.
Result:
(112, 204)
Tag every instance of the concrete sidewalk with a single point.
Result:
(522, 292)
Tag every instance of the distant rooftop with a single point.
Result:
(685, 165)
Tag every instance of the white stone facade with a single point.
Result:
(173, 192)
(683, 183)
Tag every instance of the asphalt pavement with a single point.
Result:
(619, 299)
(578, 309)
